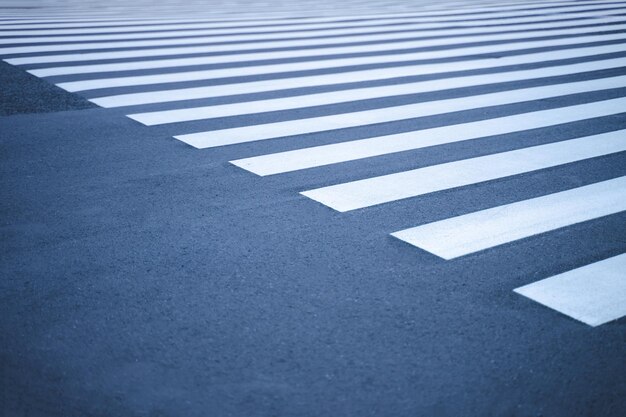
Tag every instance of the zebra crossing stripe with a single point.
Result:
(88, 19)
(322, 62)
(211, 28)
(257, 10)
(473, 232)
(96, 25)
(251, 26)
(266, 131)
(225, 26)
(594, 294)
(343, 96)
(164, 96)
(302, 31)
(89, 22)
(103, 26)
(383, 189)
(347, 37)
(320, 42)
(284, 43)
(281, 162)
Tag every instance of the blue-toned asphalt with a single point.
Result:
(142, 277)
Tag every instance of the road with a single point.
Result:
(378, 208)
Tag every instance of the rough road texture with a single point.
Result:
(24, 93)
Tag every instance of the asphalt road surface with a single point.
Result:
(299, 208)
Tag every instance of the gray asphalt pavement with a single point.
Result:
(142, 276)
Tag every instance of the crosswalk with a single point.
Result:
(369, 81)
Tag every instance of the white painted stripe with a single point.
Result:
(451, 39)
(216, 34)
(391, 114)
(237, 32)
(299, 32)
(31, 21)
(473, 232)
(72, 22)
(137, 24)
(96, 25)
(343, 96)
(88, 25)
(90, 21)
(318, 47)
(278, 33)
(236, 8)
(295, 160)
(445, 6)
(221, 28)
(594, 294)
(130, 26)
(323, 62)
(386, 188)
(165, 96)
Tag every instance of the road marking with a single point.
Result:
(295, 160)
(344, 96)
(114, 25)
(594, 294)
(266, 131)
(323, 62)
(386, 188)
(164, 96)
(88, 20)
(302, 32)
(105, 26)
(593, 301)
(470, 233)
(117, 24)
(219, 29)
(348, 36)
(234, 26)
